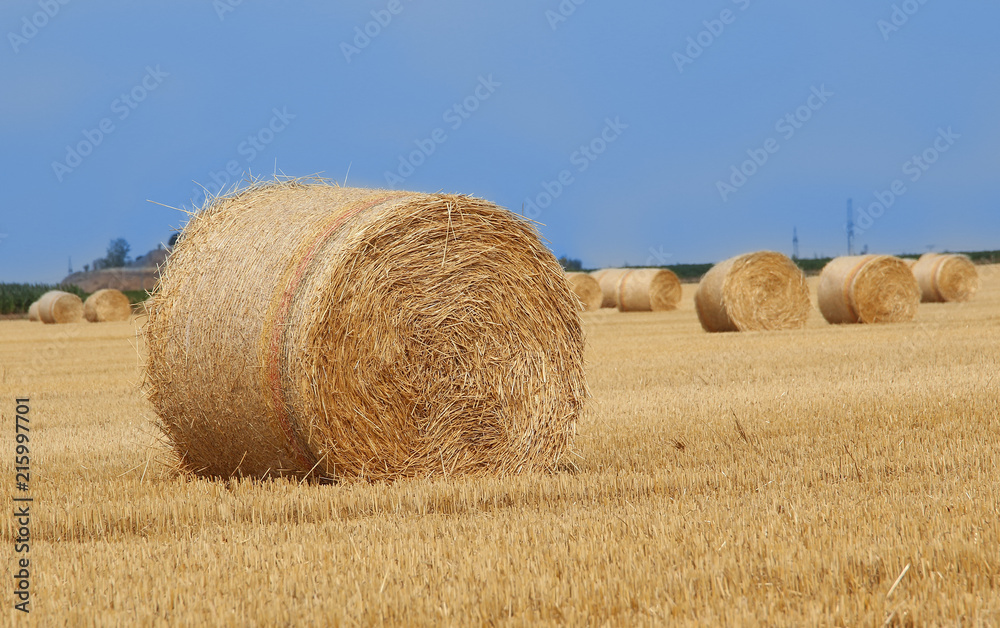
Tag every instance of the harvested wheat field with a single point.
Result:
(835, 475)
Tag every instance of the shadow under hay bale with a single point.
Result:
(868, 289)
(56, 306)
(107, 305)
(945, 277)
(314, 331)
(587, 289)
(753, 292)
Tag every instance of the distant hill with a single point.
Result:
(140, 274)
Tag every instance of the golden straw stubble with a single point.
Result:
(868, 289)
(315, 331)
(946, 277)
(762, 291)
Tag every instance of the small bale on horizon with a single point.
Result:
(587, 289)
(58, 307)
(33, 312)
(945, 277)
(761, 291)
(107, 305)
(868, 289)
(639, 289)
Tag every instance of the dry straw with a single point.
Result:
(639, 289)
(868, 289)
(945, 277)
(753, 292)
(107, 305)
(33, 312)
(307, 330)
(56, 306)
(587, 289)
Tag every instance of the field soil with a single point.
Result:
(830, 476)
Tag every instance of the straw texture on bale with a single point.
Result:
(306, 330)
(587, 289)
(56, 306)
(868, 289)
(33, 312)
(639, 289)
(107, 305)
(753, 292)
(946, 277)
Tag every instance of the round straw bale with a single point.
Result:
(945, 277)
(868, 289)
(56, 306)
(608, 279)
(648, 290)
(107, 305)
(752, 292)
(33, 312)
(306, 330)
(587, 289)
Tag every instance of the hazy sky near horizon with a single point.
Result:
(641, 133)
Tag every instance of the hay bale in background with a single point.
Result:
(587, 289)
(314, 331)
(639, 289)
(608, 278)
(868, 289)
(33, 312)
(648, 290)
(107, 305)
(752, 292)
(946, 277)
(56, 306)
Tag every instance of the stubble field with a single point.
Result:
(842, 475)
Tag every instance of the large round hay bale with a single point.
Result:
(314, 331)
(587, 289)
(946, 277)
(753, 292)
(33, 312)
(868, 289)
(56, 306)
(107, 305)
(639, 289)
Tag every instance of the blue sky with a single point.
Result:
(616, 125)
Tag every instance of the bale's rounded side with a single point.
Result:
(33, 312)
(315, 331)
(587, 289)
(648, 290)
(946, 277)
(753, 292)
(56, 306)
(107, 305)
(868, 289)
(609, 279)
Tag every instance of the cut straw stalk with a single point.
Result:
(314, 331)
